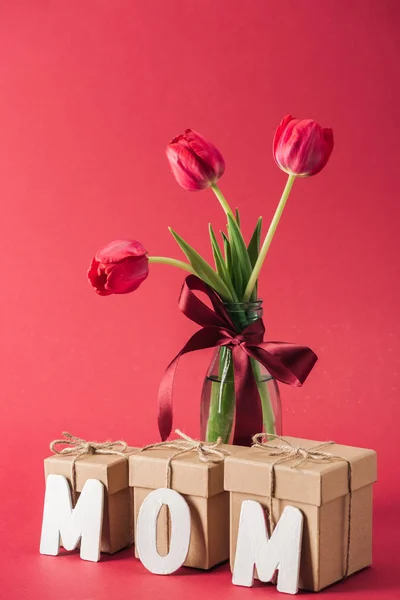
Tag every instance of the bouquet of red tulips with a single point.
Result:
(240, 394)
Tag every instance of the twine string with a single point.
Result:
(207, 452)
(71, 445)
(285, 451)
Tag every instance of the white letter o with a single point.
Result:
(146, 531)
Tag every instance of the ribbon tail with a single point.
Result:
(165, 402)
(202, 339)
(248, 420)
(288, 363)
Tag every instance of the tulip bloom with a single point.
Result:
(196, 163)
(302, 147)
(119, 268)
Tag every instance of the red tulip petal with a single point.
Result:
(207, 152)
(126, 275)
(281, 128)
(328, 137)
(302, 147)
(119, 250)
(195, 162)
(92, 271)
(187, 168)
(97, 277)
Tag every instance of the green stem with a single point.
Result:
(171, 261)
(266, 405)
(222, 401)
(222, 200)
(268, 239)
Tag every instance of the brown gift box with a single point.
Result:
(112, 471)
(202, 486)
(321, 491)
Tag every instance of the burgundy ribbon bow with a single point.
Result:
(287, 363)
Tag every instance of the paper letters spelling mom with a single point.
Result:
(254, 549)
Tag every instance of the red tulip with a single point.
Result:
(119, 268)
(301, 146)
(196, 163)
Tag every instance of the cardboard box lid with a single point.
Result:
(190, 475)
(312, 483)
(112, 470)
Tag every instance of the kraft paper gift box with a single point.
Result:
(321, 491)
(113, 472)
(202, 486)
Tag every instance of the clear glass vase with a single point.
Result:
(218, 403)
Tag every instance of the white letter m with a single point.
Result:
(83, 523)
(281, 552)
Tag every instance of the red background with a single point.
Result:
(90, 93)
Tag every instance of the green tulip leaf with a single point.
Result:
(233, 266)
(241, 262)
(238, 217)
(228, 255)
(202, 268)
(237, 274)
(220, 263)
(253, 250)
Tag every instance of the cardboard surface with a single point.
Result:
(209, 540)
(202, 485)
(110, 469)
(118, 524)
(190, 475)
(113, 472)
(313, 483)
(320, 491)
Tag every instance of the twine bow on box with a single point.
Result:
(285, 451)
(206, 452)
(78, 447)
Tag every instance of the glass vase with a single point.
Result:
(218, 403)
